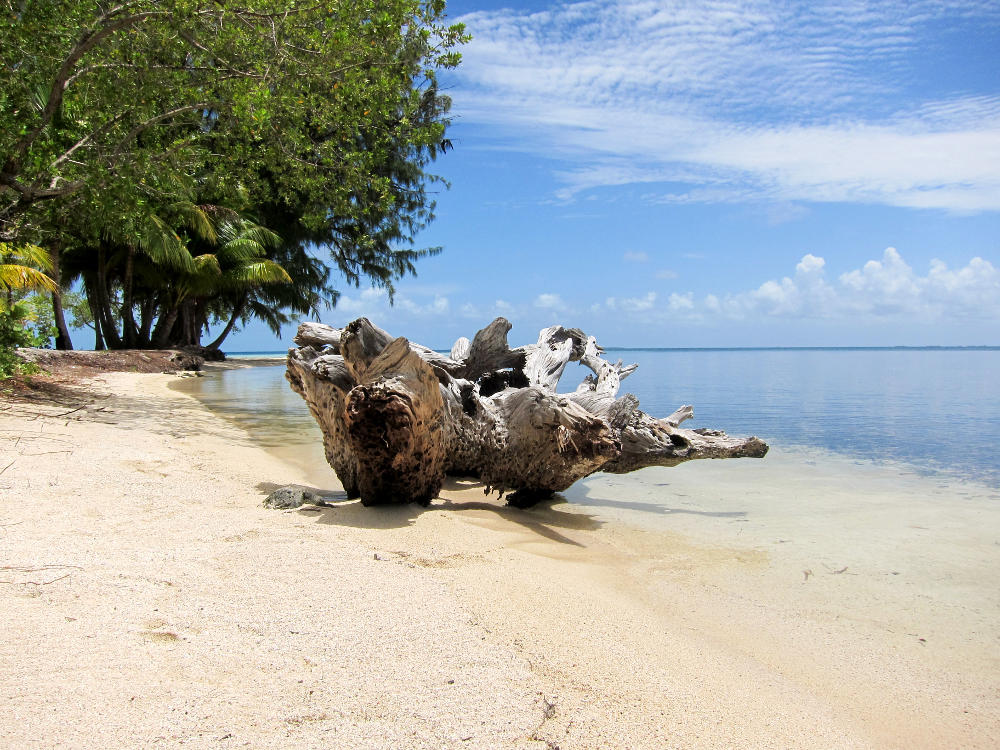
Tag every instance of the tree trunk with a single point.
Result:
(164, 327)
(63, 340)
(98, 336)
(237, 312)
(89, 286)
(396, 417)
(102, 309)
(130, 331)
(147, 312)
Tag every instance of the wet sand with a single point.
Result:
(151, 600)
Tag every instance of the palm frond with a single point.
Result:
(26, 255)
(164, 246)
(241, 249)
(259, 272)
(207, 264)
(15, 276)
(196, 219)
(230, 231)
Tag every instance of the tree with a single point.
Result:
(22, 268)
(318, 119)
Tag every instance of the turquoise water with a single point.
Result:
(934, 410)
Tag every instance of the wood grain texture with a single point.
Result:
(397, 417)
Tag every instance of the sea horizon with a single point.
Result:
(901, 347)
(891, 405)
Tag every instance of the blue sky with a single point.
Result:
(724, 173)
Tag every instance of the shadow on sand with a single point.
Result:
(541, 519)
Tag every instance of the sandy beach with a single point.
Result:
(150, 600)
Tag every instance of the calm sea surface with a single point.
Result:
(935, 410)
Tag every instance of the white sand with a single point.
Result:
(149, 601)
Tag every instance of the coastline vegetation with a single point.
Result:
(185, 163)
(22, 271)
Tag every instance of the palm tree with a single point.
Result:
(228, 277)
(24, 267)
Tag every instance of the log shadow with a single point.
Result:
(337, 509)
(541, 519)
(577, 495)
(657, 509)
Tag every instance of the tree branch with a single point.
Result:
(84, 44)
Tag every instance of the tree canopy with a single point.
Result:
(314, 120)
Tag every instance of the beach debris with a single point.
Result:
(291, 497)
(23, 575)
(398, 417)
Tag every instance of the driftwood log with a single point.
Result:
(398, 417)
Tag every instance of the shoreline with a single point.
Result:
(157, 601)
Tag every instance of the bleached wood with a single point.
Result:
(396, 416)
(318, 335)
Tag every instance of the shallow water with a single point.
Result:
(934, 411)
(869, 534)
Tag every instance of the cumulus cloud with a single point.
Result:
(738, 100)
(881, 289)
(680, 302)
(549, 302)
(887, 288)
(634, 257)
(632, 304)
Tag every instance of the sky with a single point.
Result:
(677, 173)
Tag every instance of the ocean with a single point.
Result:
(933, 411)
(872, 525)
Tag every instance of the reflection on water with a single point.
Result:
(260, 400)
(936, 410)
(829, 524)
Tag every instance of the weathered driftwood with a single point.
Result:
(397, 417)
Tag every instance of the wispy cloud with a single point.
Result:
(632, 304)
(739, 100)
(374, 303)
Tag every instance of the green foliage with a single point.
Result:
(15, 332)
(80, 314)
(23, 267)
(38, 320)
(117, 122)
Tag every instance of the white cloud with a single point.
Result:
(882, 289)
(739, 100)
(634, 257)
(666, 273)
(631, 304)
(681, 302)
(374, 303)
(549, 302)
